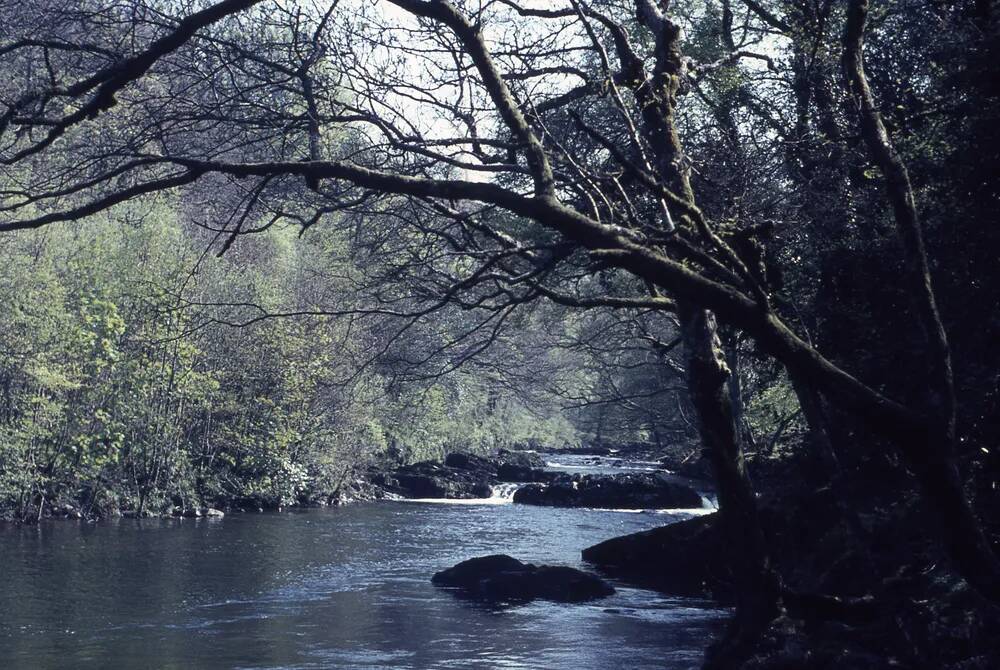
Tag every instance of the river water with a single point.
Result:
(335, 588)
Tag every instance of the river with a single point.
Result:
(343, 587)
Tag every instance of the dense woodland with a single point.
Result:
(252, 247)
(139, 375)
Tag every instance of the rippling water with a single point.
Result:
(339, 588)
(606, 465)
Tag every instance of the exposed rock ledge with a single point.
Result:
(686, 558)
(619, 491)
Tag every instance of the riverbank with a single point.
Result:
(620, 478)
(863, 583)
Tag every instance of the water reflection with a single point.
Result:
(322, 589)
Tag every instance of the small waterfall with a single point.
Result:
(505, 491)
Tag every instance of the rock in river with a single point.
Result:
(686, 558)
(430, 479)
(471, 462)
(503, 579)
(461, 475)
(619, 491)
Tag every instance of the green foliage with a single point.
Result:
(134, 378)
(774, 415)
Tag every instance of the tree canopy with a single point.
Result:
(761, 220)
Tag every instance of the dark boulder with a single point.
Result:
(522, 466)
(461, 475)
(531, 495)
(689, 557)
(619, 491)
(430, 479)
(686, 558)
(512, 472)
(525, 459)
(471, 462)
(489, 465)
(468, 573)
(503, 579)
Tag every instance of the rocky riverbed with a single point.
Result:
(532, 478)
(631, 478)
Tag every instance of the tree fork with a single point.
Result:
(758, 599)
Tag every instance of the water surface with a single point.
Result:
(338, 588)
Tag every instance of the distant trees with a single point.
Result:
(124, 386)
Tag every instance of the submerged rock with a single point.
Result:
(504, 579)
(619, 491)
(686, 558)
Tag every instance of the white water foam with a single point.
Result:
(503, 494)
(690, 511)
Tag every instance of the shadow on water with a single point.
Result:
(338, 588)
